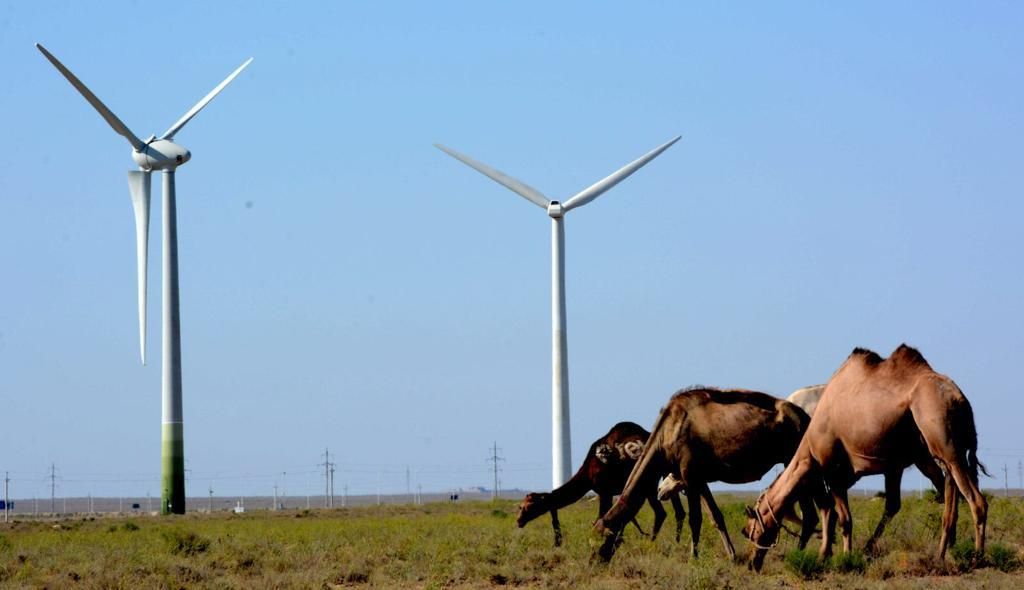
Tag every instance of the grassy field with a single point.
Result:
(473, 545)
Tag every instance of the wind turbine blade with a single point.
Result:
(522, 189)
(139, 184)
(96, 103)
(598, 188)
(169, 134)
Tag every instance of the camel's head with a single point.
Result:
(670, 486)
(761, 534)
(532, 506)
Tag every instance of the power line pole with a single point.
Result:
(7, 499)
(1006, 482)
(53, 488)
(419, 493)
(494, 458)
(211, 498)
(274, 507)
(328, 479)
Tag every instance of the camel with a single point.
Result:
(808, 398)
(704, 435)
(605, 469)
(877, 416)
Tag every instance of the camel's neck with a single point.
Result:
(572, 490)
(779, 498)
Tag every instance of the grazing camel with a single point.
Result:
(605, 469)
(808, 397)
(878, 416)
(704, 435)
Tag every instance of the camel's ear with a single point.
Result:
(750, 511)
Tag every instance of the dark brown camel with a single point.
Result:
(605, 470)
(704, 435)
(878, 416)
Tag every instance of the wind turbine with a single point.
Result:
(164, 155)
(561, 453)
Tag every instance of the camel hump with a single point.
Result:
(908, 355)
(868, 357)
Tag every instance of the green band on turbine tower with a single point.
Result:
(172, 485)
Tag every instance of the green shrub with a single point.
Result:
(964, 555)
(185, 543)
(130, 526)
(805, 564)
(848, 563)
(1002, 557)
(5, 544)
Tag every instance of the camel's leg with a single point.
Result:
(942, 444)
(892, 506)
(930, 469)
(557, 526)
(845, 519)
(828, 527)
(659, 514)
(808, 522)
(693, 499)
(949, 514)
(716, 517)
(604, 504)
(677, 507)
(975, 499)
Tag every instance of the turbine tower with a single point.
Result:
(164, 155)
(561, 453)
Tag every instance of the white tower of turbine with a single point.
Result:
(561, 454)
(164, 155)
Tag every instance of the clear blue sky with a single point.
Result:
(848, 176)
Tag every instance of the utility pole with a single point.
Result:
(1006, 482)
(7, 499)
(90, 502)
(211, 498)
(53, 488)
(328, 479)
(274, 507)
(494, 458)
(419, 493)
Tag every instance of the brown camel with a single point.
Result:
(808, 397)
(878, 416)
(605, 470)
(704, 435)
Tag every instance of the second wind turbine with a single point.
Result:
(561, 452)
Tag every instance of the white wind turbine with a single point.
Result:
(164, 155)
(561, 453)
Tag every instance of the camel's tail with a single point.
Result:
(964, 430)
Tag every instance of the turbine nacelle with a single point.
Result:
(555, 210)
(161, 154)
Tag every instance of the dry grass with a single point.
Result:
(476, 545)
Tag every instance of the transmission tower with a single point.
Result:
(494, 458)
